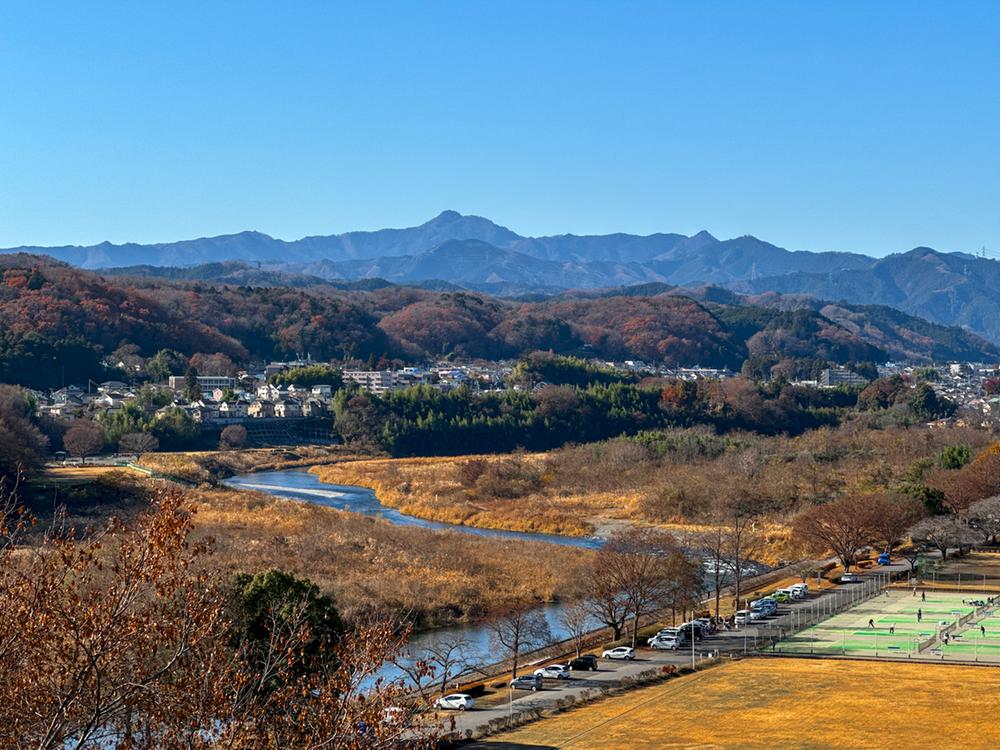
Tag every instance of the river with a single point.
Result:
(300, 484)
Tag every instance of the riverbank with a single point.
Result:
(482, 491)
(523, 493)
(211, 467)
(432, 578)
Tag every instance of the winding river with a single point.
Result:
(300, 484)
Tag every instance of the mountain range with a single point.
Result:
(459, 251)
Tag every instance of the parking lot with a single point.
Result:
(790, 616)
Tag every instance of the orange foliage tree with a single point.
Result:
(123, 640)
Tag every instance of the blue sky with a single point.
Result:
(872, 127)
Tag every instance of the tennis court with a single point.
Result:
(898, 624)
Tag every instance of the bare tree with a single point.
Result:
(519, 628)
(713, 545)
(439, 661)
(84, 438)
(577, 619)
(233, 437)
(138, 442)
(892, 517)
(806, 569)
(607, 602)
(912, 553)
(738, 514)
(943, 533)
(843, 526)
(983, 516)
(642, 564)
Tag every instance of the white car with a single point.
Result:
(757, 614)
(455, 702)
(622, 652)
(664, 644)
(554, 672)
(742, 617)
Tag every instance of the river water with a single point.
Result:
(300, 484)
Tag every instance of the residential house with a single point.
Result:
(324, 392)
(313, 407)
(261, 409)
(268, 392)
(233, 410)
(287, 408)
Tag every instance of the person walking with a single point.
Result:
(982, 630)
(892, 630)
(871, 623)
(920, 615)
(923, 596)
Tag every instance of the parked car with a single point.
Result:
(665, 643)
(781, 596)
(692, 630)
(674, 633)
(799, 590)
(622, 652)
(767, 606)
(757, 614)
(455, 702)
(884, 559)
(585, 663)
(530, 682)
(849, 578)
(742, 617)
(553, 672)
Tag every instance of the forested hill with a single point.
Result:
(475, 253)
(57, 323)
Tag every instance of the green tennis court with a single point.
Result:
(848, 633)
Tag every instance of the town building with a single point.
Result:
(833, 377)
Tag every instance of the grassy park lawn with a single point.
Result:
(800, 703)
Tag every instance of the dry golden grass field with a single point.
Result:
(785, 703)
(432, 488)
(440, 489)
(202, 466)
(84, 473)
(367, 563)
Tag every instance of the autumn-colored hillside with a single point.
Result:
(57, 321)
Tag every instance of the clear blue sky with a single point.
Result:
(827, 126)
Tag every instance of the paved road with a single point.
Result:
(790, 617)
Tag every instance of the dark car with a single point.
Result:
(585, 663)
(692, 630)
(526, 682)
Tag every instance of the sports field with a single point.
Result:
(807, 704)
(897, 624)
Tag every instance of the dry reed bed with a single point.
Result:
(437, 577)
(578, 489)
